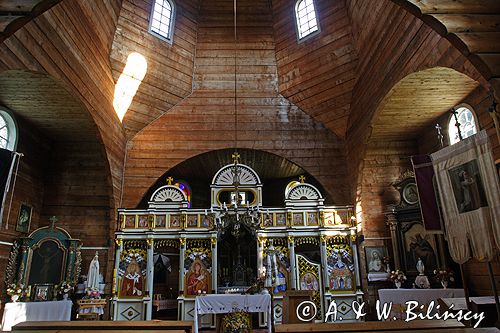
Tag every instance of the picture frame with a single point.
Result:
(42, 292)
(24, 218)
(374, 256)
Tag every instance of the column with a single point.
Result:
(150, 277)
(182, 251)
(118, 253)
(215, 270)
(322, 250)
(354, 248)
(293, 269)
(392, 222)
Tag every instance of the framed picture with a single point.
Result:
(42, 292)
(375, 258)
(24, 219)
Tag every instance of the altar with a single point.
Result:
(172, 250)
(227, 303)
(17, 312)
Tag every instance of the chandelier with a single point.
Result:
(238, 216)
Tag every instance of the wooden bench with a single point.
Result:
(371, 326)
(94, 326)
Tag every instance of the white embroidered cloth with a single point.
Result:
(226, 303)
(18, 312)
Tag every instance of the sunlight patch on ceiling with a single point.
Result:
(129, 82)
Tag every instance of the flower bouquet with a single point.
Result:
(93, 293)
(237, 322)
(15, 291)
(444, 276)
(64, 289)
(398, 277)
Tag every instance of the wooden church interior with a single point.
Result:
(125, 129)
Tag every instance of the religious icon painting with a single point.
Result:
(340, 269)
(197, 279)
(329, 218)
(192, 221)
(42, 292)
(142, 221)
(267, 220)
(132, 270)
(205, 221)
(298, 219)
(468, 187)
(280, 219)
(160, 221)
(175, 221)
(312, 218)
(129, 221)
(24, 219)
(375, 258)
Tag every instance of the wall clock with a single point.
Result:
(409, 193)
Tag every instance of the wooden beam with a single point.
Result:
(6, 20)
(457, 6)
(15, 6)
(469, 22)
(482, 42)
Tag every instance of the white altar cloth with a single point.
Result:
(423, 296)
(227, 303)
(18, 312)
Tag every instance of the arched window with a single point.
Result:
(467, 121)
(306, 18)
(161, 22)
(8, 131)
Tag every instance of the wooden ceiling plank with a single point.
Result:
(481, 42)
(457, 6)
(492, 60)
(469, 22)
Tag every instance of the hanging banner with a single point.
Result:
(469, 191)
(424, 176)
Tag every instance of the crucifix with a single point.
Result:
(53, 220)
(170, 180)
(302, 178)
(439, 134)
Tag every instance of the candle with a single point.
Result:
(205, 212)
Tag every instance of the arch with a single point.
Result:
(405, 113)
(272, 170)
(58, 133)
(247, 176)
(303, 191)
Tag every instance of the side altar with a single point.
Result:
(173, 252)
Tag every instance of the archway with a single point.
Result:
(275, 172)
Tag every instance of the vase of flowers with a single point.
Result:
(444, 276)
(64, 289)
(398, 277)
(15, 291)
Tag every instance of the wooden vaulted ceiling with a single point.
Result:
(410, 107)
(317, 75)
(46, 104)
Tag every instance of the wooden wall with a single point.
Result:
(317, 74)
(170, 67)
(71, 43)
(80, 182)
(205, 120)
(389, 48)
